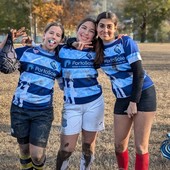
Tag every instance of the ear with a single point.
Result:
(43, 37)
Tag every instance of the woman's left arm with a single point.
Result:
(138, 77)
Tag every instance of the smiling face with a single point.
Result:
(106, 30)
(52, 37)
(86, 32)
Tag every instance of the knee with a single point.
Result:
(141, 149)
(120, 148)
(38, 159)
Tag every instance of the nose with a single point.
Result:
(105, 29)
(54, 36)
(86, 32)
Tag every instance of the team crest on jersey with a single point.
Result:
(89, 55)
(67, 63)
(117, 49)
(54, 65)
(30, 67)
(35, 51)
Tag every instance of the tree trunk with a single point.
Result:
(143, 29)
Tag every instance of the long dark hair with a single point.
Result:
(99, 48)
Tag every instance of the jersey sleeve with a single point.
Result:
(70, 41)
(131, 50)
(19, 51)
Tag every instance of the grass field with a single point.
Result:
(156, 60)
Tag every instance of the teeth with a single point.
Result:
(51, 41)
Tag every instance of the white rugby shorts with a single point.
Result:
(89, 116)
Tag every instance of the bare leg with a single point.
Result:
(25, 159)
(88, 149)
(122, 129)
(67, 146)
(38, 156)
(142, 128)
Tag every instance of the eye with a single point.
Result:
(110, 26)
(83, 27)
(51, 32)
(58, 35)
(92, 31)
(101, 25)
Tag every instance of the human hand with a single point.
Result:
(26, 41)
(18, 33)
(121, 35)
(132, 109)
(81, 45)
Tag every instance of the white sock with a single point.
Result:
(65, 164)
(83, 162)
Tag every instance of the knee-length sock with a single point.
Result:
(122, 159)
(26, 163)
(142, 161)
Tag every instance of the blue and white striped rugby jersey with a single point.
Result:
(39, 69)
(118, 55)
(79, 75)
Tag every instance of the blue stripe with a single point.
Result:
(39, 70)
(84, 100)
(127, 90)
(121, 75)
(82, 82)
(72, 63)
(37, 90)
(79, 73)
(82, 92)
(37, 80)
(42, 60)
(147, 82)
(37, 106)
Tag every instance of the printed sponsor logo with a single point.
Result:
(41, 71)
(75, 64)
(115, 60)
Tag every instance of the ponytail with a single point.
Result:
(99, 48)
